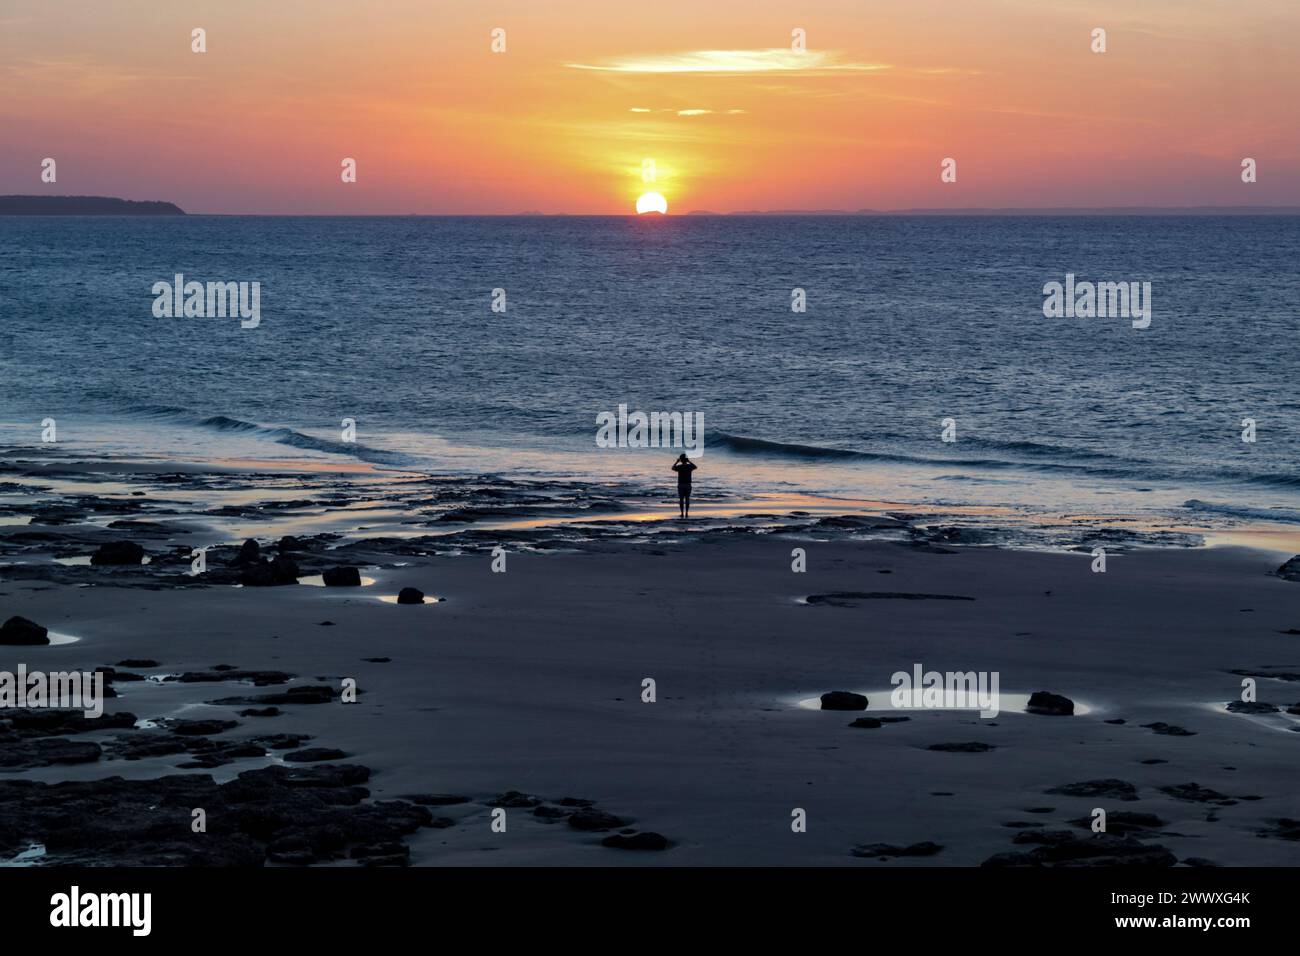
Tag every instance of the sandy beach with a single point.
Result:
(523, 690)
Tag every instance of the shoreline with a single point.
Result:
(522, 690)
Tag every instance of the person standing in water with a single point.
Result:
(684, 466)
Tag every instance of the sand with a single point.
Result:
(531, 680)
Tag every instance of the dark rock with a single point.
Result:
(118, 552)
(260, 712)
(227, 673)
(1066, 848)
(266, 573)
(646, 840)
(435, 799)
(250, 552)
(852, 598)
(925, 848)
(1110, 787)
(514, 799)
(1197, 861)
(281, 741)
(410, 596)
(1195, 793)
(1124, 821)
(27, 722)
(22, 632)
(343, 577)
(288, 543)
(551, 813)
(1251, 707)
(1290, 571)
(305, 694)
(199, 728)
(1051, 705)
(46, 752)
(1169, 730)
(591, 819)
(137, 662)
(869, 723)
(843, 700)
(314, 755)
(1282, 828)
(971, 747)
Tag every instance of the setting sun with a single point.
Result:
(651, 202)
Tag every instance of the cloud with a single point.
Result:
(731, 62)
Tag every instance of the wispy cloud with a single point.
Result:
(731, 62)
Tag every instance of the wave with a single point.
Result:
(1034, 457)
(277, 433)
(741, 444)
(1285, 515)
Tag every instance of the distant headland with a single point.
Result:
(84, 206)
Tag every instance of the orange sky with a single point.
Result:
(709, 89)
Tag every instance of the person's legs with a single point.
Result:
(681, 504)
(686, 505)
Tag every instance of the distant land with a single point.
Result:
(1012, 211)
(83, 206)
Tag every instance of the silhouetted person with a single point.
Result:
(684, 466)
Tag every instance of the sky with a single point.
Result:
(713, 92)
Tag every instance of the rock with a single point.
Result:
(1251, 707)
(971, 747)
(1066, 848)
(435, 799)
(514, 799)
(288, 543)
(118, 552)
(46, 752)
(281, 741)
(20, 631)
(869, 723)
(1195, 793)
(224, 673)
(1050, 705)
(200, 728)
(250, 552)
(1290, 571)
(137, 662)
(343, 577)
(1124, 821)
(1110, 787)
(314, 755)
(646, 840)
(305, 694)
(1169, 730)
(590, 819)
(266, 573)
(260, 712)
(410, 596)
(843, 700)
(873, 850)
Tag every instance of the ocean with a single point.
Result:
(909, 321)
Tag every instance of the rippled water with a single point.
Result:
(909, 321)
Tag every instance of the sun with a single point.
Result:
(651, 202)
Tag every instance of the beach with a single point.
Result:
(523, 690)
